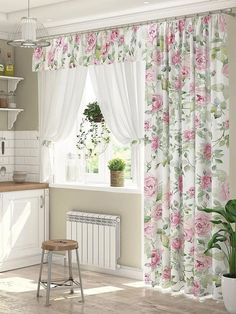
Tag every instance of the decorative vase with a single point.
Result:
(229, 292)
(117, 178)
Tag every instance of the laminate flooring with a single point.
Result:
(103, 294)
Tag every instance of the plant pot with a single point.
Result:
(117, 178)
(229, 292)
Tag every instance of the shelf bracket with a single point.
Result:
(12, 84)
(12, 116)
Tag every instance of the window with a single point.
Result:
(71, 165)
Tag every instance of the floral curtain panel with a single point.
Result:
(186, 135)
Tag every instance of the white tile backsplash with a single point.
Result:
(21, 153)
(27, 154)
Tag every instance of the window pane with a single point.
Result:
(92, 164)
(123, 152)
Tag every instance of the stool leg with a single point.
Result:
(49, 277)
(70, 272)
(40, 272)
(80, 279)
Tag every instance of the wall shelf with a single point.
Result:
(12, 82)
(12, 114)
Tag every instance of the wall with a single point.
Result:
(232, 94)
(27, 91)
(5, 49)
(128, 206)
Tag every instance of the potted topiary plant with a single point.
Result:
(117, 167)
(226, 220)
(93, 112)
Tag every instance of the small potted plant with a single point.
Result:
(226, 220)
(117, 167)
(93, 112)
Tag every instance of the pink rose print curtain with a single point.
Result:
(186, 136)
(186, 152)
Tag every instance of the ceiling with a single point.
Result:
(57, 14)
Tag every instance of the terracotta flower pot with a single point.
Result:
(117, 178)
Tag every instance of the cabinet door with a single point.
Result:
(22, 224)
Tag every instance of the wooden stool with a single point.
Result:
(55, 246)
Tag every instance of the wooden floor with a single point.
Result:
(103, 294)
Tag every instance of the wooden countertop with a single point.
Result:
(10, 186)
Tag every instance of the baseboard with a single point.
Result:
(20, 263)
(121, 271)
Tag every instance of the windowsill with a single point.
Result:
(97, 187)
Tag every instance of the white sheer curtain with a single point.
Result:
(120, 90)
(60, 94)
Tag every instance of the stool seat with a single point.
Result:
(60, 245)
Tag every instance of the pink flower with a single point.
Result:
(190, 28)
(202, 262)
(176, 243)
(77, 39)
(91, 42)
(188, 234)
(166, 117)
(222, 23)
(105, 48)
(180, 184)
(196, 288)
(65, 48)
(197, 120)
(155, 143)
(150, 186)
(149, 229)
(185, 70)
(152, 32)
(150, 75)
(168, 198)
(201, 59)
(207, 151)
(121, 40)
(191, 192)
(170, 39)
(201, 99)
(51, 56)
(157, 102)
(60, 42)
(224, 192)
(147, 125)
(226, 124)
(176, 58)
(189, 135)
(178, 84)
(225, 70)
(114, 34)
(206, 19)
(155, 258)
(202, 224)
(157, 57)
(181, 25)
(38, 52)
(206, 181)
(157, 212)
(175, 219)
(166, 274)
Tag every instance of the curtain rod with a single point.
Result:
(224, 11)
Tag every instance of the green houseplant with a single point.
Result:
(93, 112)
(117, 167)
(224, 239)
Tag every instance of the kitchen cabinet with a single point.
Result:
(24, 225)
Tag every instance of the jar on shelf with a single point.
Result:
(3, 99)
(11, 101)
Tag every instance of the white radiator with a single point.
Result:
(98, 237)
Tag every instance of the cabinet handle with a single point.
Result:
(41, 201)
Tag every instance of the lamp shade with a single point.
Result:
(29, 33)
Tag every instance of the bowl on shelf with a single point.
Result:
(19, 176)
